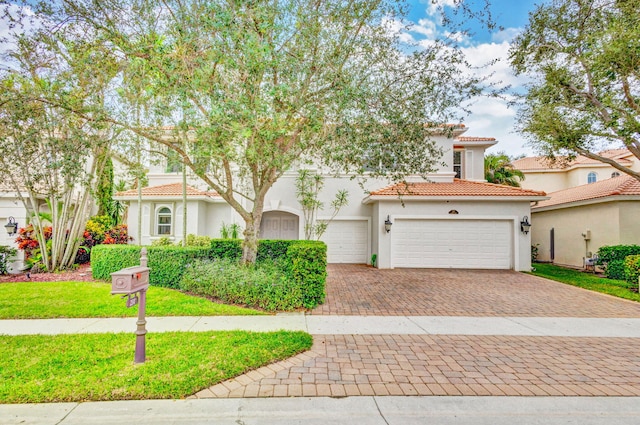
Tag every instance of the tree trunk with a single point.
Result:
(251, 233)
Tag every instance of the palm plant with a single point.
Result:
(499, 170)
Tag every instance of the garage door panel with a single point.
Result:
(452, 244)
(347, 241)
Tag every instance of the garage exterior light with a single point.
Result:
(525, 226)
(387, 224)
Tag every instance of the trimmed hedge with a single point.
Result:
(611, 257)
(632, 269)
(308, 269)
(267, 249)
(303, 264)
(167, 263)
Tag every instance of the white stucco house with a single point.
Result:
(451, 219)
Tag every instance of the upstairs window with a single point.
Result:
(457, 164)
(164, 221)
(592, 177)
(174, 165)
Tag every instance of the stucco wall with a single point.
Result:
(609, 223)
(547, 182)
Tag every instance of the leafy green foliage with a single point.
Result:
(499, 170)
(308, 186)
(106, 259)
(583, 57)
(264, 284)
(308, 269)
(612, 257)
(632, 269)
(226, 248)
(77, 368)
(168, 263)
(6, 253)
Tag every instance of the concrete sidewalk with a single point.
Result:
(324, 410)
(344, 325)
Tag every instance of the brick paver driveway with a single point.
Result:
(361, 290)
(500, 365)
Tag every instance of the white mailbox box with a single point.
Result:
(130, 280)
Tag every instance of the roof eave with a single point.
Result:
(411, 198)
(585, 202)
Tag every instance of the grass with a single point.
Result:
(65, 368)
(45, 300)
(617, 288)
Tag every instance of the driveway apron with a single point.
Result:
(427, 364)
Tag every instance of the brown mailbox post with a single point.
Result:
(134, 282)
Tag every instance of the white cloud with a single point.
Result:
(507, 34)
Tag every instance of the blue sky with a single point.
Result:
(490, 117)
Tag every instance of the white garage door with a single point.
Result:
(347, 241)
(465, 244)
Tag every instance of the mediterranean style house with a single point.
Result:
(451, 219)
(591, 204)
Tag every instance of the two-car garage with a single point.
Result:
(452, 243)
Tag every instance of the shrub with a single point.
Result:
(612, 257)
(273, 249)
(163, 241)
(263, 285)
(632, 269)
(106, 259)
(194, 240)
(226, 248)
(167, 263)
(5, 256)
(307, 268)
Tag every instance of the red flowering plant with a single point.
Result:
(27, 241)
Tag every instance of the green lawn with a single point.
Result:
(617, 288)
(44, 300)
(61, 368)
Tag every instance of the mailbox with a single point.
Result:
(130, 280)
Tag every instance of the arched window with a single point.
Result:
(592, 177)
(615, 174)
(164, 221)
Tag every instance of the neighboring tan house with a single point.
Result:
(575, 222)
(540, 174)
(591, 204)
(452, 219)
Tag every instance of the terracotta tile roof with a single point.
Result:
(475, 139)
(542, 163)
(457, 188)
(623, 185)
(172, 189)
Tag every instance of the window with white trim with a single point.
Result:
(458, 164)
(592, 178)
(163, 220)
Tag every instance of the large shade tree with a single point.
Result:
(584, 60)
(242, 90)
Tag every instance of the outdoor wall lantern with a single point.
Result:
(11, 226)
(525, 226)
(387, 224)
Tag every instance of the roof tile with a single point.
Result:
(172, 189)
(457, 188)
(622, 185)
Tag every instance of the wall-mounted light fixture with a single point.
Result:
(525, 226)
(11, 226)
(387, 224)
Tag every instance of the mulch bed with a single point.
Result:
(81, 274)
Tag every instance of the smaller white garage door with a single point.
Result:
(347, 241)
(465, 244)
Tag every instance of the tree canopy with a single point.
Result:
(584, 59)
(243, 90)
